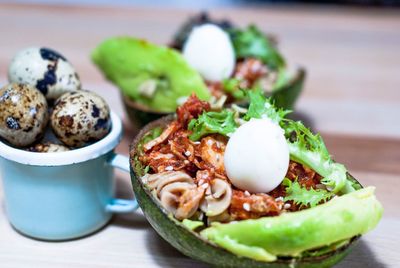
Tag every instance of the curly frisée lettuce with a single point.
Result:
(222, 122)
(304, 197)
(261, 107)
(251, 42)
(309, 149)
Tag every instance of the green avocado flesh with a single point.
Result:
(154, 76)
(292, 233)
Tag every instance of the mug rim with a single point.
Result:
(101, 147)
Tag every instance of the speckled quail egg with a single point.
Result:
(48, 148)
(45, 69)
(80, 117)
(23, 114)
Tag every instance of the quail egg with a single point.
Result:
(80, 117)
(45, 69)
(209, 50)
(48, 148)
(257, 156)
(23, 114)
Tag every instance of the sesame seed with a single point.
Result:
(246, 206)
(187, 153)
(246, 193)
(169, 168)
(286, 206)
(279, 199)
(210, 142)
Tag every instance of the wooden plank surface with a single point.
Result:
(352, 96)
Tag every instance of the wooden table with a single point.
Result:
(352, 96)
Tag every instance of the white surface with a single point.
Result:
(99, 148)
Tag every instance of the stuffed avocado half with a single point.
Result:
(203, 181)
(215, 62)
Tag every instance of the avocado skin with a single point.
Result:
(286, 96)
(192, 245)
(138, 115)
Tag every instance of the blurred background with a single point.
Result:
(209, 3)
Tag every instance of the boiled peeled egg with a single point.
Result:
(257, 156)
(209, 50)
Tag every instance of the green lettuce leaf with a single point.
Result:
(251, 42)
(261, 107)
(309, 149)
(232, 86)
(304, 197)
(212, 122)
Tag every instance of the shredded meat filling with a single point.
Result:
(203, 161)
(251, 206)
(192, 108)
(249, 71)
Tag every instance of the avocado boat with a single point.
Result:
(344, 210)
(153, 80)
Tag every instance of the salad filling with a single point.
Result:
(258, 62)
(215, 60)
(315, 204)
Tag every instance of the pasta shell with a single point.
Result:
(218, 200)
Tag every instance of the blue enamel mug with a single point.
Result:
(63, 195)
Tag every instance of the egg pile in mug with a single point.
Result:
(45, 109)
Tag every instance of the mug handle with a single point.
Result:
(121, 205)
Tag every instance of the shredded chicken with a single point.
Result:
(164, 135)
(211, 151)
(305, 175)
(192, 108)
(251, 206)
(216, 89)
(249, 71)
